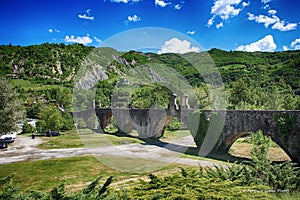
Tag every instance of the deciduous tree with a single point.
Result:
(11, 109)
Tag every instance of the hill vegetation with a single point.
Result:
(47, 73)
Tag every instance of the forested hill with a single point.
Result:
(57, 62)
(267, 65)
(251, 78)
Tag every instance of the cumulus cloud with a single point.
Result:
(133, 18)
(263, 19)
(225, 9)
(78, 39)
(266, 7)
(191, 32)
(219, 25)
(211, 21)
(272, 12)
(285, 48)
(125, 1)
(161, 3)
(51, 30)
(295, 45)
(176, 45)
(86, 15)
(265, 1)
(245, 4)
(276, 21)
(119, 1)
(282, 27)
(265, 44)
(177, 7)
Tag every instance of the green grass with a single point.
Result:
(46, 174)
(87, 137)
(24, 83)
(75, 172)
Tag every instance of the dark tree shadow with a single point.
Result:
(183, 149)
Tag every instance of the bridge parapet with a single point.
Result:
(282, 126)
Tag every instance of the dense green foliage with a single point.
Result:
(279, 177)
(253, 80)
(51, 118)
(45, 74)
(258, 179)
(203, 128)
(285, 123)
(11, 109)
(174, 124)
(46, 63)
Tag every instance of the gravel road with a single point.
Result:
(25, 149)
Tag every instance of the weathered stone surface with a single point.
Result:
(152, 123)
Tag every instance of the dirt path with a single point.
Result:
(25, 148)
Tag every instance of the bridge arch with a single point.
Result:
(244, 144)
(282, 126)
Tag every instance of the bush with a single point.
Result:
(174, 124)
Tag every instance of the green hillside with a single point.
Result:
(258, 80)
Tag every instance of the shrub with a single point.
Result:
(174, 124)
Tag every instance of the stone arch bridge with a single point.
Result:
(282, 126)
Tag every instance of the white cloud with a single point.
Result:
(272, 12)
(225, 9)
(211, 21)
(119, 1)
(161, 3)
(176, 45)
(280, 26)
(245, 4)
(263, 19)
(81, 40)
(265, 44)
(296, 44)
(277, 23)
(265, 1)
(177, 7)
(51, 30)
(191, 32)
(266, 7)
(97, 39)
(133, 18)
(125, 1)
(219, 25)
(285, 48)
(86, 15)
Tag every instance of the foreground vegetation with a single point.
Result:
(44, 77)
(74, 178)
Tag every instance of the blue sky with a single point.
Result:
(246, 25)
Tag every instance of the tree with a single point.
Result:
(50, 119)
(11, 109)
(27, 128)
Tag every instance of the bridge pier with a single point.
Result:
(282, 126)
